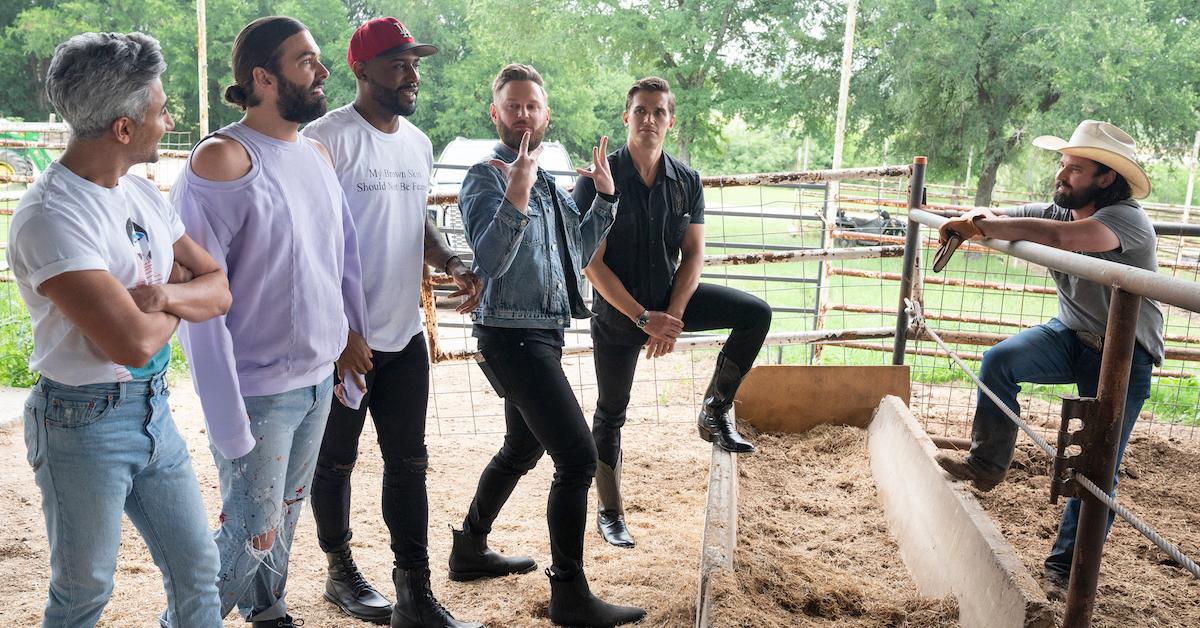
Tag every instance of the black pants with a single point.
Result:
(541, 414)
(711, 307)
(397, 396)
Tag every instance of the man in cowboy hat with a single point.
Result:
(1093, 213)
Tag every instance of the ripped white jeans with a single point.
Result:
(262, 494)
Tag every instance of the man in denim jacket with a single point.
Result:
(530, 245)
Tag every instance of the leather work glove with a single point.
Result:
(964, 226)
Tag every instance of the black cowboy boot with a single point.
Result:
(349, 590)
(471, 559)
(572, 604)
(713, 421)
(415, 605)
(610, 520)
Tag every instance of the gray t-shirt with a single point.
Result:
(1083, 304)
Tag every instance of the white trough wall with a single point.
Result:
(947, 541)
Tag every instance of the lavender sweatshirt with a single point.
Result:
(284, 235)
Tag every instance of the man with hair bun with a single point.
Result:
(266, 203)
(107, 272)
(646, 277)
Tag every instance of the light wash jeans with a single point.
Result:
(263, 492)
(100, 450)
(1047, 354)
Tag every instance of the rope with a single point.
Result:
(914, 311)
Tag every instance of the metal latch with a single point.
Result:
(1088, 438)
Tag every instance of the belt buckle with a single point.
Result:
(1093, 341)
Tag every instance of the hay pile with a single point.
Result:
(813, 544)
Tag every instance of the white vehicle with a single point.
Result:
(451, 167)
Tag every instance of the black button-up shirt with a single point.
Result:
(643, 246)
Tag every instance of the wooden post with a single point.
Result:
(202, 65)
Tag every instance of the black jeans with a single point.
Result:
(711, 307)
(541, 415)
(397, 396)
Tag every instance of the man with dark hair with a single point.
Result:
(384, 163)
(646, 277)
(266, 203)
(1093, 213)
(107, 272)
(530, 242)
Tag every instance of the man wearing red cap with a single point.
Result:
(383, 163)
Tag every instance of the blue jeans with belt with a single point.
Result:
(100, 450)
(1047, 354)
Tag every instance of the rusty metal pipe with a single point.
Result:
(1093, 513)
(912, 248)
(1144, 283)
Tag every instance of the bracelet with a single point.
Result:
(446, 267)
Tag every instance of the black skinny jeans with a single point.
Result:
(541, 415)
(711, 307)
(397, 396)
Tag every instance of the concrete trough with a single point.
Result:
(948, 543)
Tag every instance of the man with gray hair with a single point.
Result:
(104, 266)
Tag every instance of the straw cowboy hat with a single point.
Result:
(1104, 143)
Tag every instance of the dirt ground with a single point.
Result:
(813, 544)
(1139, 584)
(666, 470)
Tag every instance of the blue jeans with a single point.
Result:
(1047, 354)
(100, 450)
(262, 494)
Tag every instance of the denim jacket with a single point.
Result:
(517, 254)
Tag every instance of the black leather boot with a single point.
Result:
(280, 622)
(713, 421)
(471, 559)
(415, 605)
(349, 590)
(610, 520)
(572, 604)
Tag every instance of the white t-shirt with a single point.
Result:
(65, 223)
(386, 180)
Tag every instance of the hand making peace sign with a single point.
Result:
(599, 172)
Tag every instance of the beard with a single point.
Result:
(297, 103)
(1069, 198)
(512, 137)
(389, 99)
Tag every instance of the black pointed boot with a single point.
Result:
(349, 590)
(471, 559)
(415, 605)
(572, 604)
(713, 421)
(610, 520)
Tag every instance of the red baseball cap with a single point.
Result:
(380, 35)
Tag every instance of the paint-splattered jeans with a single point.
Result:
(96, 451)
(262, 494)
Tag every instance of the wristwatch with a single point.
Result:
(643, 319)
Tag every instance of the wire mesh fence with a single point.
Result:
(981, 292)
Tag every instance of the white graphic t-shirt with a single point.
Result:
(386, 180)
(65, 223)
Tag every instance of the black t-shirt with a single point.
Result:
(643, 246)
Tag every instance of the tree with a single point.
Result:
(763, 60)
(943, 76)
